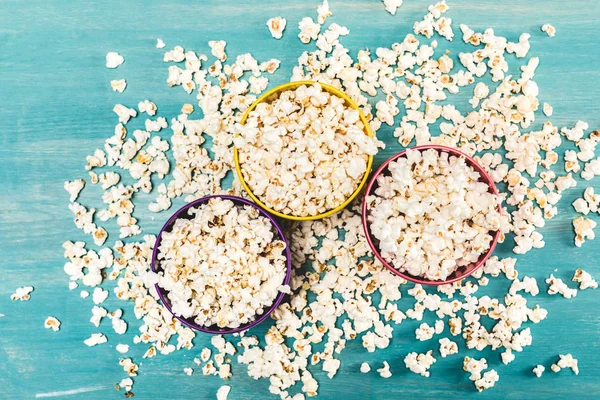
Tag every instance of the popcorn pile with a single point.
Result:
(223, 266)
(431, 214)
(338, 292)
(304, 152)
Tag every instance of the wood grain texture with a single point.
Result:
(55, 108)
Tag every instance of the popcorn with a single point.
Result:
(52, 323)
(127, 384)
(225, 297)
(447, 347)
(558, 286)
(488, 380)
(99, 295)
(118, 85)
(217, 49)
(567, 361)
(424, 332)
(147, 107)
(474, 367)
(122, 348)
(411, 203)
(419, 363)
(584, 229)
(323, 12)
(223, 392)
(309, 30)
(547, 109)
(365, 368)
(549, 30)
(507, 357)
(584, 279)
(160, 44)
(95, 339)
(539, 370)
(124, 115)
(74, 187)
(285, 171)
(188, 371)
(276, 26)
(22, 293)
(129, 366)
(113, 60)
(392, 6)
(384, 371)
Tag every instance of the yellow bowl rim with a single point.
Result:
(293, 85)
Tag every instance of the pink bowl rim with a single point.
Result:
(364, 211)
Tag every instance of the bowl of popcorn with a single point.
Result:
(222, 264)
(432, 215)
(304, 150)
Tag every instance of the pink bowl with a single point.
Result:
(462, 272)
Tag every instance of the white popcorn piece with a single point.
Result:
(567, 361)
(95, 339)
(507, 356)
(584, 229)
(129, 366)
(447, 347)
(223, 392)
(124, 113)
(73, 285)
(249, 291)
(384, 371)
(99, 295)
(539, 370)
(276, 26)
(159, 43)
(122, 348)
(474, 367)
(74, 187)
(487, 381)
(555, 368)
(188, 371)
(113, 59)
(549, 30)
(365, 368)
(126, 383)
(424, 332)
(217, 49)
(558, 286)
(52, 323)
(323, 12)
(392, 6)
(547, 109)
(419, 363)
(118, 85)
(84, 294)
(584, 279)
(147, 107)
(22, 293)
(309, 29)
(581, 206)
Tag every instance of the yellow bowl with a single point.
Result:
(293, 85)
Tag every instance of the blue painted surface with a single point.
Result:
(55, 108)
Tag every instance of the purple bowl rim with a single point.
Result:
(367, 232)
(278, 299)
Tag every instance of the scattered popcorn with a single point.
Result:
(118, 85)
(323, 12)
(129, 366)
(122, 348)
(126, 384)
(74, 187)
(558, 286)
(96, 338)
(217, 49)
(237, 295)
(417, 196)
(285, 171)
(583, 230)
(73, 285)
(188, 371)
(555, 368)
(160, 44)
(549, 30)
(113, 60)
(419, 363)
(147, 107)
(52, 323)
(276, 26)
(223, 392)
(507, 357)
(22, 293)
(487, 381)
(84, 294)
(567, 361)
(384, 371)
(365, 368)
(547, 109)
(99, 295)
(309, 30)
(584, 279)
(447, 347)
(539, 370)
(474, 367)
(392, 5)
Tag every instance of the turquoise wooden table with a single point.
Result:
(55, 108)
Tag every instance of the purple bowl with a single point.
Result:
(213, 329)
